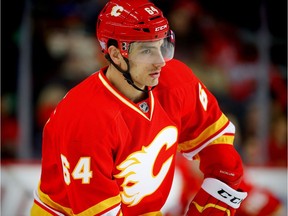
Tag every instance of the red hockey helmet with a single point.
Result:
(128, 21)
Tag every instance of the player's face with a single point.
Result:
(146, 61)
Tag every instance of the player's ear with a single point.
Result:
(115, 55)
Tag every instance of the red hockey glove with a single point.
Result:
(215, 198)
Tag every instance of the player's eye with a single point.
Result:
(146, 51)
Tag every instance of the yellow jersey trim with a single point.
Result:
(36, 210)
(96, 209)
(224, 139)
(211, 205)
(157, 213)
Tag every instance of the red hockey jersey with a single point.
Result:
(105, 155)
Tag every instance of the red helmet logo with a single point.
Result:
(116, 10)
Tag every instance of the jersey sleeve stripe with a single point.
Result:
(210, 132)
(190, 154)
(225, 139)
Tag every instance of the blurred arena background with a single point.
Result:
(237, 48)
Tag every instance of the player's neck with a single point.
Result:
(119, 82)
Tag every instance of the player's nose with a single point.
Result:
(159, 61)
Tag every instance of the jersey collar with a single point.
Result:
(124, 100)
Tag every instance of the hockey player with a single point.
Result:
(109, 147)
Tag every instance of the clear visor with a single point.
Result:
(155, 52)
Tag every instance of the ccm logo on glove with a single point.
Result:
(223, 192)
(230, 197)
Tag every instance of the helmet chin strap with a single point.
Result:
(127, 74)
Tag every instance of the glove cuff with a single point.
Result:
(223, 192)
